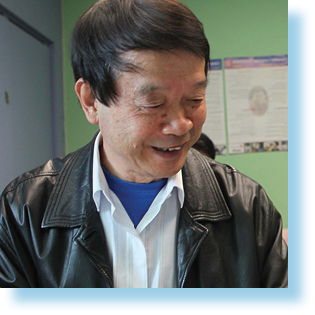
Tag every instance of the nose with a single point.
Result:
(177, 123)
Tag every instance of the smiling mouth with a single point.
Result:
(168, 149)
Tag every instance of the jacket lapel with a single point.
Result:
(205, 202)
(190, 237)
(71, 205)
(92, 239)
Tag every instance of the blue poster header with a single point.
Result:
(216, 64)
(255, 62)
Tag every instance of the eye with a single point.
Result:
(196, 101)
(152, 108)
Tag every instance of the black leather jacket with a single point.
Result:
(51, 234)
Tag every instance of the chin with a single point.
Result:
(169, 172)
(167, 169)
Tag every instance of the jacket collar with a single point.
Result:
(73, 190)
(203, 197)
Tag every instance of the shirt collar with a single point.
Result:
(100, 183)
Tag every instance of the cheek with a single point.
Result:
(200, 117)
(135, 131)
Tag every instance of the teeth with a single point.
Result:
(174, 149)
(170, 149)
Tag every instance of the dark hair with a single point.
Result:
(111, 27)
(205, 146)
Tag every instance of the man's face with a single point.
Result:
(157, 117)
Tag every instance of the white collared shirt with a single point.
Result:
(142, 257)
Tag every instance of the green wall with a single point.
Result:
(234, 28)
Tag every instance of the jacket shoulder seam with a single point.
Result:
(28, 178)
(230, 170)
(226, 167)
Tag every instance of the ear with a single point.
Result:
(88, 102)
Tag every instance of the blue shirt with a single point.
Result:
(136, 198)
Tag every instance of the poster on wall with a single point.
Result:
(214, 126)
(257, 103)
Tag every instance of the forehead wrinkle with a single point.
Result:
(148, 89)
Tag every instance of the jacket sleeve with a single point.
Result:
(272, 249)
(260, 224)
(11, 270)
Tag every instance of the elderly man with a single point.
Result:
(136, 207)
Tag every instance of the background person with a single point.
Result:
(205, 146)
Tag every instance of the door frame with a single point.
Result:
(13, 18)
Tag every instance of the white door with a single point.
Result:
(25, 102)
